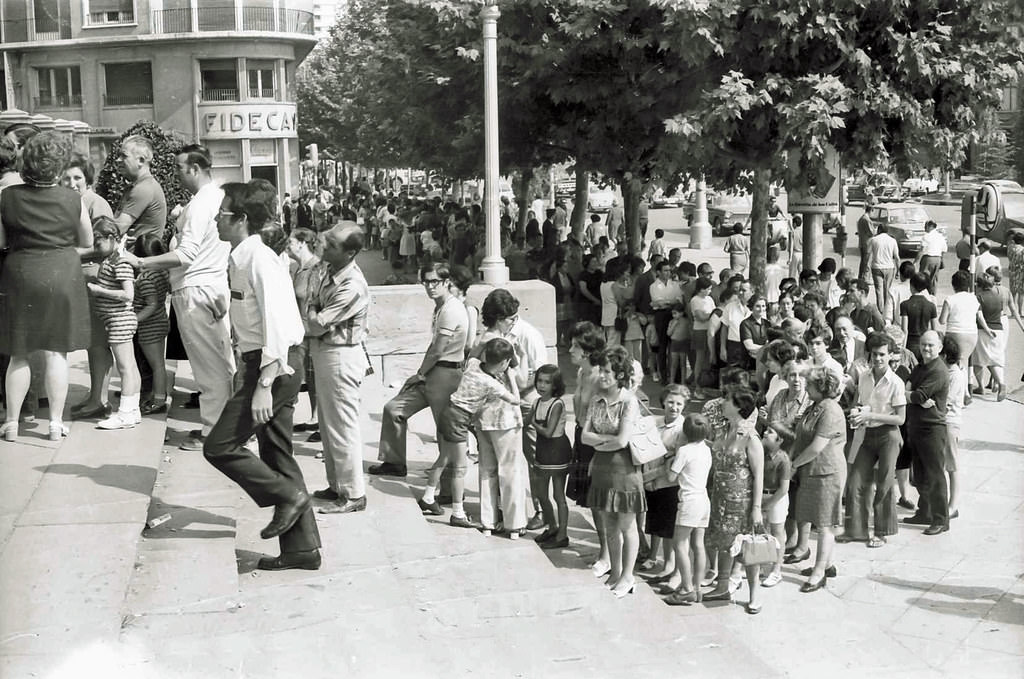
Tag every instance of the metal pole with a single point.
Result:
(700, 228)
(493, 266)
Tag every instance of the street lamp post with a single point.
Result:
(493, 266)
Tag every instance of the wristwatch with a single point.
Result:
(266, 382)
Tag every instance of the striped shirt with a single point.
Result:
(337, 305)
(112, 273)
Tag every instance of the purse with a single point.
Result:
(645, 445)
(759, 549)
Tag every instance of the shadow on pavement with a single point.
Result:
(130, 477)
(975, 602)
(182, 517)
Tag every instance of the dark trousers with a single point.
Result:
(930, 268)
(273, 477)
(928, 453)
(875, 461)
(662, 317)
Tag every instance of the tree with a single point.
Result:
(878, 81)
(1018, 145)
(111, 184)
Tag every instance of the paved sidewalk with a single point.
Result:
(400, 594)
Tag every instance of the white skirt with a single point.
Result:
(990, 351)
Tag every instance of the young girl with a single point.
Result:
(678, 345)
(775, 496)
(150, 306)
(553, 455)
(690, 469)
(662, 494)
(114, 292)
(633, 339)
(484, 383)
(407, 246)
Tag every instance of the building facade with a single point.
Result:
(218, 72)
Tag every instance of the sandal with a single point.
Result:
(875, 542)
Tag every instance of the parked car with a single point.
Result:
(725, 209)
(891, 193)
(999, 204)
(904, 222)
(917, 186)
(600, 199)
(663, 200)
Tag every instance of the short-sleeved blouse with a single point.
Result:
(963, 313)
(823, 419)
(789, 411)
(606, 416)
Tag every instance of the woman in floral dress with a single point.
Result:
(1015, 253)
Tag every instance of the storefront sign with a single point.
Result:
(247, 121)
(263, 152)
(226, 153)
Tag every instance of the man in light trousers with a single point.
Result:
(336, 318)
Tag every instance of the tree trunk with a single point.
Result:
(759, 227)
(523, 198)
(631, 190)
(578, 221)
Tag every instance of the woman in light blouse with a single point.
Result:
(784, 414)
(821, 466)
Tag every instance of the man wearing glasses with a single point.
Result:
(437, 378)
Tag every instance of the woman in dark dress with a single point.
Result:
(43, 299)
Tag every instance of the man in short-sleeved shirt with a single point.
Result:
(919, 311)
(143, 208)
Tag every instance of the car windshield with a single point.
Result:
(908, 214)
(1013, 206)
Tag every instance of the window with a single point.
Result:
(220, 79)
(107, 12)
(59, 87)
(261, 79)
(1011, 99)
(128, 84)
(52, 19)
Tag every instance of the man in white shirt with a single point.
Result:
(198, 268)
(929, 257)
(882, 403)
(266, 322)
(985, 258)
(883, 255)
(665, 293)
(616, 221)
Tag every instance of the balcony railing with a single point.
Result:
(226, 18)
(227, 94)
(58, 101)
(135, 99)
(265, 93)
(25, 30)
(110, 18)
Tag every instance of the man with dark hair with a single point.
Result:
(664, 293)
(830, 290)
(438, 375)
(865, 232)
(143, 206)
(336, 314)
(918, 314)
(267, 324)
(927, 391)
(883, 258)
(867, 317)
(881, 409)
(198, 269)
(929, 256)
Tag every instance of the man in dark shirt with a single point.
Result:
(927, 391)
(919, 311)
(866, 316)
(864, 234)
(143, 208)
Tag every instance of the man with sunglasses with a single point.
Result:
(437, 378)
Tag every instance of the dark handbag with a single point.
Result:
(620, 323)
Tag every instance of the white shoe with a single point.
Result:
(121, 420)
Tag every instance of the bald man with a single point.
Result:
(927, 391)
(336, 313)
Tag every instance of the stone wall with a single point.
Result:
(400, 317)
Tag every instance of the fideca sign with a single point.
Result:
(248, 121)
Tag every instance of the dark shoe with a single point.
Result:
(546, 535)
(906, 504)
(193, 401)
(536, 522)
(797, 558)
(326, 494)
(432, 508)
(153, 407)
(346, 507)
(680, 598)
(830, 572)
(918, 520)
(462, 522)
(313, 438)
(555, 543)
(309, 561)
(88, 413)
(808, 587)
(286, 514)
(721, 596)
(387, 469)
(845, 539)
(303, 426)
(935, 529)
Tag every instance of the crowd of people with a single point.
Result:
(812, 406)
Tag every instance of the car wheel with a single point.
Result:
(716, 226)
